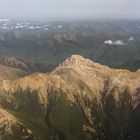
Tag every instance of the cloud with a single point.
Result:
(117, 42)
(109, 42)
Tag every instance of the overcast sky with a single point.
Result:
(69, 8)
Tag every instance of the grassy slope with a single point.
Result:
(11, 73)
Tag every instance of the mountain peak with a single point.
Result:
(75, 60)
(79, 62)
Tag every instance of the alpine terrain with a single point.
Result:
(78, 100)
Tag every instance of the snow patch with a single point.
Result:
(31, 27)
(4, 20)
(4, 27)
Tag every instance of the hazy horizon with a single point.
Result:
(63, 9)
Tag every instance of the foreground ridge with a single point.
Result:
(80, 99)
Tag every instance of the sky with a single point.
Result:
(69, 8)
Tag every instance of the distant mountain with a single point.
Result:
(80, 99)
(86, 38)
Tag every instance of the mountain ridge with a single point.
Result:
(79, 92)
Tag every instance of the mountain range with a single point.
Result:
(87, 38)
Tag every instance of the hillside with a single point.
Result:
(11, 73)
(24, 65)
(80, 99)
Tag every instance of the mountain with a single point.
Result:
(79, 99)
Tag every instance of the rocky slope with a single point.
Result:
(11, 128)
(80, 99)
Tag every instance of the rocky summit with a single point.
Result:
(78, 100)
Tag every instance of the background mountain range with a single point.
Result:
(46, 93)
